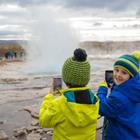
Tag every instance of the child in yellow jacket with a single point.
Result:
(73, 115)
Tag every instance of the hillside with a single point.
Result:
(6, 46)
(110, 47)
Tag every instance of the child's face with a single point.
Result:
(120, 76)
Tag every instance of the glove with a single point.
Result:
(104, 84)
(102, 90)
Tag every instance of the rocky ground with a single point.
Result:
(20, 99)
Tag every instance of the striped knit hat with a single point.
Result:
(129, 63)
(76, 69)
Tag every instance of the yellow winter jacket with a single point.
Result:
(70, 120)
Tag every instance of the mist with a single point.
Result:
(53, 40)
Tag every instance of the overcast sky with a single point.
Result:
(18, 16)
(116, 5)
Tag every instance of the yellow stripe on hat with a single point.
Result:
(119, 66)
(130, 63)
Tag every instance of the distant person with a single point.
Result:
(73, 115)
(15, 54)
(121, 108)
(9, 55)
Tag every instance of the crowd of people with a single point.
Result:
(74, 114)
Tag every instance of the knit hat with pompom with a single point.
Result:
(129, 63)
(76, 69)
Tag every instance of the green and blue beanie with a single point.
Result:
(76, 69)
(129, 63)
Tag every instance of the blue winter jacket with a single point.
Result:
(121, 110)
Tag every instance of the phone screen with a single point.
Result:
(109, 76)
(57, 83)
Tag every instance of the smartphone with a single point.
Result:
(109, 77)
(57, 83)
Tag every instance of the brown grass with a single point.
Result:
(10, 47)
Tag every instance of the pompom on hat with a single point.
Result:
(76, 69)
(129, 63)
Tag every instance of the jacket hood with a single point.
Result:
(131, 88)
(79, 114)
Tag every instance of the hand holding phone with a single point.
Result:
(109, 77)
(57, 84)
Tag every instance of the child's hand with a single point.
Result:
(103, 84)
(110, 83)
(52, 91)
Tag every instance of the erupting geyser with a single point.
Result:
(53, 41)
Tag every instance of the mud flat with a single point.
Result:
(20, 99)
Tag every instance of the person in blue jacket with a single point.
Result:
(121, 107)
